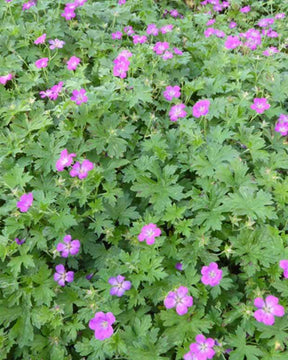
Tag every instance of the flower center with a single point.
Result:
(212, 274)
(104, 324)
(203, 347)
(267, 309)
(149, 233)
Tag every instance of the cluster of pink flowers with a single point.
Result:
(232, 42)
(69, 12)
(53, 92)
(80, 170)
(25, 202)
(173, 12)
(218, 6)
(101, 324)
(139, 39)
(119, 285)
(260, 105)
(282, 125)
(68, 246)
(211, 31)
(5, 78)
(202, 349)
(253, 38)
(148, 233)
(161, 48)
(117, 35)
(122, 64)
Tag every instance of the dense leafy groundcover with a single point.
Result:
(144, 180)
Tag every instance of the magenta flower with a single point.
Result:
(117, 35)
(61, 275)
(41, 63)
(28, 5)
(68, 247)
(73, 62)
(25, 202)
(179, 266)
(19, 242)
(174, 13)
(40, 40)
(56, 44)
(160, 47)
(270, 51)
(81, 170)
(177, 51)
(211, 275)
(79, 2)
(219, 33)
(209, 32)
(65, 160)
(126, 53)
(270, 33)
(148, 233)
(179, 299)
(139, 39)
(167, 55)
(266, 22)
(166, 28)
(119, 285)
(245, 9)
(129, 30)
(268, 309)
(5, 78)
(121, 2)
(210, 22)
(121, 66)
(172, 92)
(190, 356)
(282, 125)
(152, 30)
(203, 348)
(232, 25)
(177, 111)
(284, 265)
(79, 96)
(201, 108)
(260, 105)
(68, 14)
(232, 42)
(280, 16)
(101, 324)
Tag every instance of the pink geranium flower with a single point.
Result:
(61, 275)
(148, 233)
(139, 39)
(65, 160)
(167, 55)
(68, 246)
(152, 30)
(260, 105)
(160, 47)
(284, 265)
(282, 125)
(121, 2)
(245, 9)
(232, 25)
(166, 28)
(211, 275)
(19, 242)
(52, 93)
(201, 108)
(179, 299)
(117, 35)
(73, 62)
(177, 111)
(129, 30)
(25, 202)
(172, 92)
(81, 170)
(41, 63)
(56, 44)
(119, 285)
(79, 96)
(101, 324)
(28, 5)
(268, 309)
(121, 65)
(179, 266)
(203, 348)
(177, 51)
(210, 22)
(280, 16)
(209, 32)
(126, 53)
(266, 22)
(270, 51)
(5, 78)
(68, 14)
(232, 42)
(40, 40)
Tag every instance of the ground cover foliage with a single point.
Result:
(214, 185)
